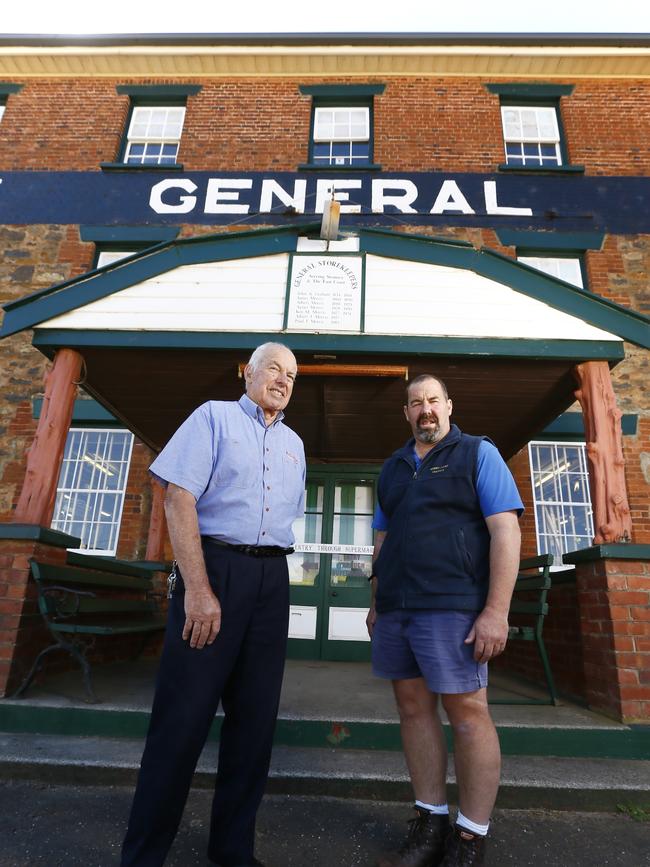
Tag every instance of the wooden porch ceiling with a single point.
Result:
(339, 418)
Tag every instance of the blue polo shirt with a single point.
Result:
(248, 479)
(495, 486)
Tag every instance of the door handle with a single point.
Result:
(334, 593)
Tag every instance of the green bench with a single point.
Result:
(529, 602)
(90, 597)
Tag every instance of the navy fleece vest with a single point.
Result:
(436, 551)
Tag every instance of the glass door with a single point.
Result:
(329, 570)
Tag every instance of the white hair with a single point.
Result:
(260, 353)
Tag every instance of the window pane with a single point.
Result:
(91, 487)
(567, 269)
(563, 513)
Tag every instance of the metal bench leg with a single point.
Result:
(33, 671)
(547, 668)
(80, 656)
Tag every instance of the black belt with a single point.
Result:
(254, 550)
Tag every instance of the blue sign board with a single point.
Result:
(510, 200)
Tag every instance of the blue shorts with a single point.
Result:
(428, 643)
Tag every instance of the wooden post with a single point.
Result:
(603, 434)
(36, 503)
(156, 537)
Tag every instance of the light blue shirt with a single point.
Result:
(248, 479)
(495, 486)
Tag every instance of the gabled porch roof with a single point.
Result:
(167, 328)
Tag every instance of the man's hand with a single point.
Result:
(489, 635)
(202, 618)
(371, 619)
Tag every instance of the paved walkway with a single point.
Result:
(66, 826)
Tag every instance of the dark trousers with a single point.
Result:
(243, 668)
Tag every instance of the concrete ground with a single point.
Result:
(48, 825)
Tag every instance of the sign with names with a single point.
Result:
(325, 548)
(325, 293)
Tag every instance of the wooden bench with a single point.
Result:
(529, 600)
(78, 603)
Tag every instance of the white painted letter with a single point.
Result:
(214, 195)
(491, 207)
(187, 203)
(324, 191)
(450, 198)
(272, 188)
(401, 201)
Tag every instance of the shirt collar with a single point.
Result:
(255, 411)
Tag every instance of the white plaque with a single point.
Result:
(325, 293)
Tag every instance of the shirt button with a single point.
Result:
(267, 508)
(268, 487)
(264, 532)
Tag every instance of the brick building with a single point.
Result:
(160, 210)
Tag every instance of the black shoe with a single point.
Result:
(424, 845)
(464, 849)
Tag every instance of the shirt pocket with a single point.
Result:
(292, 481)
(234, 468)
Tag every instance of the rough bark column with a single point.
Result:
(603, 434)
(156, 537)
(36, 503)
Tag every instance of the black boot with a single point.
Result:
(424, 845)
(464, 849)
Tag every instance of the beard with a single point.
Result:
(428, 435)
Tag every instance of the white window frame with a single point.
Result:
(538, 139)
(556, 266)
(68, 487)
(560, 503)
(323, 135)
(142, 116)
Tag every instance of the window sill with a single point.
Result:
(319, 167)
(543, 170)
(138, 167)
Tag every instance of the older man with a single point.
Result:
(445, 563)
(235, 479)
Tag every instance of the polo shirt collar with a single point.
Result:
(255, 411)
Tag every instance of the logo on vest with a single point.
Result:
(439, 469)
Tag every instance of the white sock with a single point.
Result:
(436, 809)
(472, 827)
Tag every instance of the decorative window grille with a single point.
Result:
(531, 136)
(563, 513)
(154, 135)
(567, 269)
(91, 487)
(341, 135)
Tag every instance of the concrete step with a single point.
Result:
(379, 775)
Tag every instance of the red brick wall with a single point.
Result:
(421, 124)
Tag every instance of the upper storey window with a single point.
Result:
(154, 127)
(6, 90)
(341, 136)
(531, 135)
(342, 125)
(154, 135)
(531, 120)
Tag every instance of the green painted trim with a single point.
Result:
(7, 88)
(527, 91)
(48, 340)
(36, 533)
(128, 234)
(621, 742)
(137, 167)
(84, 412)
(107, 564)
(612, 551)
(540, 170)
(572, 424)
(158, 91)
(564, 241)
(341, 91)
(320, 167)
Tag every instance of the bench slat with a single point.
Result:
(47, 573)
(107, 564)
(117, 627)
